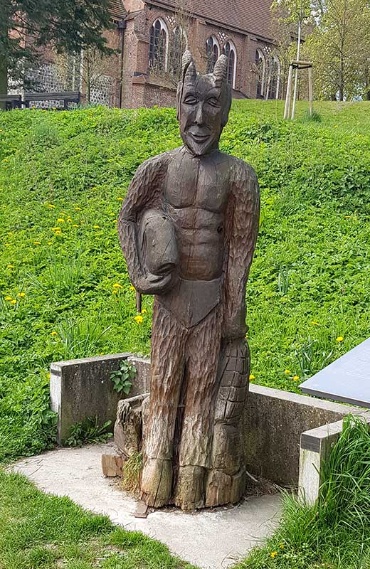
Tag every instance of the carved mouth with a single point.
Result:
(199, 137)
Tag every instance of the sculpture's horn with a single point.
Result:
(220, 70)
(188, 66)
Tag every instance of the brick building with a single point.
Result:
(149, 37)
(157, 32)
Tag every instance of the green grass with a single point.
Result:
(335, 533)
(42, 532)
(64, 288)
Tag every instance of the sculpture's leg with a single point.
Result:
(167, 362)
(202, 351)
(226, 479)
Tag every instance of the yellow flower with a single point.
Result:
(60, 220)
(314, 323)
(281, 545)
(287, 372)
(50, 206)
(144, 311)
(77, 208)
(13, 301)
(54, 333)
(252, 377)
(273, 554)
(340, 339)
(58, 232)
(74, 225)
(295, 377)
(55, 229)
(37, 242)
(138, 318)
(10, 266)
(8, 298)
(96, 226)
(120, 198)
(132, 288)
(117, 285)
(21, 294)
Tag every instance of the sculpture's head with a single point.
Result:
(203, 105)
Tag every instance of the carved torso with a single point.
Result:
(196, 192)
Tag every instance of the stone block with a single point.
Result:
(82, 388)
(275, 420)
(316, 445)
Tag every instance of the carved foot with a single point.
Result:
(189, 494)
(156, 482)
(222, 488)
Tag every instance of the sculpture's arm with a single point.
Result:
(145, 192)
(241, 234)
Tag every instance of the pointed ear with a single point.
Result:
(220, 70)
(188, 67)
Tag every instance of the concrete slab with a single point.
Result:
(211, 539)
(347, 379)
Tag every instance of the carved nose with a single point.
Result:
(199, 114)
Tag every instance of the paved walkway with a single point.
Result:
(209, 539)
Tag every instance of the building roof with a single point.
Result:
(248, 16)
(117, 10)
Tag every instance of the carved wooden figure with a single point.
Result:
(188, 229)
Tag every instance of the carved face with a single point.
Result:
(201, 114)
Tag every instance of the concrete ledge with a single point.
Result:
(83, 388)
(316, 445)
(274, 419)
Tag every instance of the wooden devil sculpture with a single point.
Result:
(188, 229)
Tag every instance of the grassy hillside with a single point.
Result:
(63, 282)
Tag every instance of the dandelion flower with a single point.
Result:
(96, 226)
(340, 339)
(314, 323)
(37, 242)
(132, 288)
(117, 285)
(295, 377)
(287, 372)
(77, 208)
(74, 225)
(273, 554)
(8, 298)
(144, 311)
(252, 377)
(56, 229)
(138, 318)
(54, 333)
(13, 301)
(21, 294)
(60, 220)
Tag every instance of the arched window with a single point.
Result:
(213, 52)
(261, 73)
(177, 48)
(158, 45)
(273, 80)
(230, 52)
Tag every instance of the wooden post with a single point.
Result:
(288, 93)
(310, 90)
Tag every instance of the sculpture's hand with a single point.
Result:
(155, 284)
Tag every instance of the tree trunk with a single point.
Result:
(3, 80)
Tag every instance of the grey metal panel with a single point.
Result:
(347, 379)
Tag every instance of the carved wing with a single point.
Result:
(241, 234)
(145, 192)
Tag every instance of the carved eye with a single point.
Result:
(190, 100)
(213, 102)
